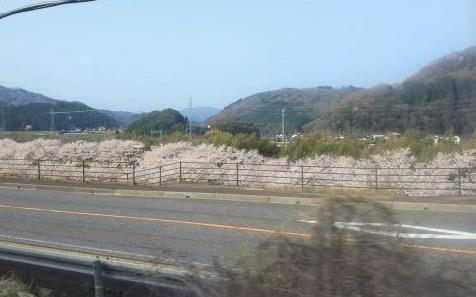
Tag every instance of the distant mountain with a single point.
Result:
(124, 118)
(199, 114)
(68, 115)
(438, 98)
(459, 65)
(301, 106)
(158, 122)
(21, 109)
(16, 96)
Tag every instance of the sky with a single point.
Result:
(143, 55)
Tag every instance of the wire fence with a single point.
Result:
(412, 181)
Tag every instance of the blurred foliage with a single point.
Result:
(337, 261)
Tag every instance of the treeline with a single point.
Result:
(421, 145)
(243, 136)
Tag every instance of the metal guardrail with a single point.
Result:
(450, 180)
(99, 270)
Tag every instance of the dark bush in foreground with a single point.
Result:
(341, 263)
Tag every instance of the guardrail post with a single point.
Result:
(376, 178)
(84, 171)
(39, 170)
(237, 176)
(180, 172)
(98, 283)
(460, 192)
(160, 175)
(134, 173)
(302, 177)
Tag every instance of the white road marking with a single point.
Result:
(308, 221)
(439, 233)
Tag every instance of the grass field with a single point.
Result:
(23, 136)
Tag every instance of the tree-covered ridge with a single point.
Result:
(462, 63)
(68, 115)
(301, 106)
(17, 96)
(158, 122)
(438, 98)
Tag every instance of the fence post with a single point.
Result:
(160, 175)
(98, 283)
(376, 178)
(302, 177)
(84, 171)
(39, 170)
(134, 173)
(180, 172)
(237, 176)
(459, 182)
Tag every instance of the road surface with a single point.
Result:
(194, 231)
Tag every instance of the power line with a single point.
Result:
(283, 135)
(74, 111)
(41, 5)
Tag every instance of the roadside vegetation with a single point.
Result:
(333, 261)
(338, 262)
(420, 145)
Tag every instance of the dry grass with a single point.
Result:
(340, 263)
(11, 286)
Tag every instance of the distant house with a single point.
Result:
(390, 135)
(378, 137)
(454, 139)
(299, 135)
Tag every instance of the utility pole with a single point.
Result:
(190, 105)
(4, 120)
(283, 135)
(52, 120)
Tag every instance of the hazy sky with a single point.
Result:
(139, 55)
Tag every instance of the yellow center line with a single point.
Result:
(167, 221)
(440, 249)
(218, 226)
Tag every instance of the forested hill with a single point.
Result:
(301, 107)
(440, 97)
(158, 122)
(67, 117)
(21, 109)
(17, 96)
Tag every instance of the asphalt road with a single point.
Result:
(198, 231)
(168, 229)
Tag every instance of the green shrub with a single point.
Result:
(243, 141)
